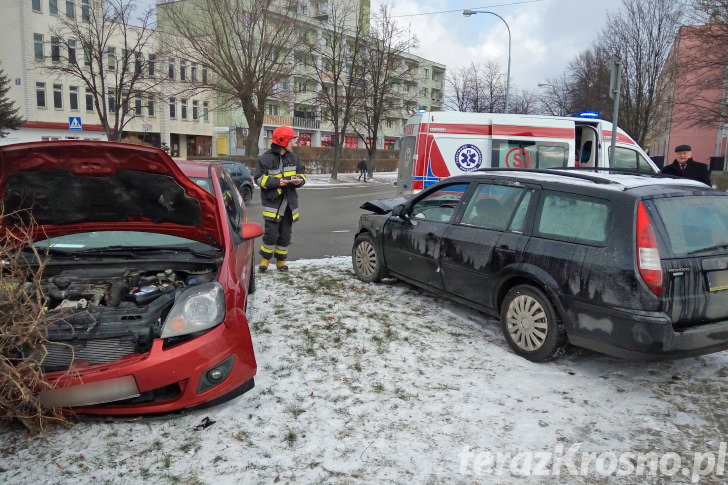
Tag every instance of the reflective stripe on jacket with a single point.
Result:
(272, 167)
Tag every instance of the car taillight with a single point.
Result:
(648, 257)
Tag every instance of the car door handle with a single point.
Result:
(505, 249)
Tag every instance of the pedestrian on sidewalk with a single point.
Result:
(685, 166)
(362, 167)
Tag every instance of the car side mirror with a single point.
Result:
(400, 211)
(251, 230)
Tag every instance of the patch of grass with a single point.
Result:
(378, 388)
(167, 462)
(295, 410)
(357, 366)
(290, 438)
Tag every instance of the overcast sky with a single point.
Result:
(545, 34)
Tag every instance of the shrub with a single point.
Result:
(22, 321)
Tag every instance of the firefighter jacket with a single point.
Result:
(272, 167)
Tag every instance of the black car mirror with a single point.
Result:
(400, 211)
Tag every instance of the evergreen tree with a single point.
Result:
(9, 118)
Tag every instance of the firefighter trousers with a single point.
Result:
(277, 237)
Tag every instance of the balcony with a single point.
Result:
(277, 120)
(307, 123)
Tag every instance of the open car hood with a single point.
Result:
(64, 187)
(382, 206)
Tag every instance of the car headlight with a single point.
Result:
(198, 308)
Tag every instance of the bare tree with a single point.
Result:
(556, 98)
(385, 73)
(338, 70)
(642, 32)
(114, 64)
(246, 45)
(524, 103)
(477, 88)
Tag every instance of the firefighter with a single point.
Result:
(278, 174)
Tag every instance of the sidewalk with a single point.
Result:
(349, 178)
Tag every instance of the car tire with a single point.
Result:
(366, 259)
(247, 193)
(531, 325)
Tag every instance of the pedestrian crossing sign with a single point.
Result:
(74, 123)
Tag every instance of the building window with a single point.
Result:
(58, 96)
(40, 95)
(36, 5)
(138, 105)
(89, 101)
(172, 108)
(273, 109)
(182, 70)
(111, 57)
(151, 65)
(301, 87)
(86, 56)
(170, 73)
(38, 46)
(205, 111)
(150, 106)
(184, 109)
(84, 11)
(55, 49)
(427, 74)
(73, 98)
(137, 63)
(112, 100)
(193, 72)
(70, 9)
(72, 52)
(53, 7)
(204, 74)
(195, 109)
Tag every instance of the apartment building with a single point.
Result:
(58, 107)
(296, 106)
(694, 85)
(61, 107)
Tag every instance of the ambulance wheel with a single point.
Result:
(367, 259)
(531, 326)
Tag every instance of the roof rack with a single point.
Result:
(568, 172)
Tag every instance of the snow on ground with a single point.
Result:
(381, 383)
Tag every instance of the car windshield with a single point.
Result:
(694, 224)
(205, 183)
(119, 240)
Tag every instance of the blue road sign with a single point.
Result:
(74, 123)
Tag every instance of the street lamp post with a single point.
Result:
(468, 13)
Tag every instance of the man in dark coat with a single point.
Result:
(278, 173)
(685, 166)
(362, 168)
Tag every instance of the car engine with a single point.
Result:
(100, 315)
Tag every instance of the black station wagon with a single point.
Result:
(629, 265)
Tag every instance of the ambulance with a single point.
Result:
(437, 144)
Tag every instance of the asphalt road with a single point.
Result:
(329, 217)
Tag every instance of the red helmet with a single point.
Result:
(282, 135)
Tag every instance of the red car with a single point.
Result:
(147, 274)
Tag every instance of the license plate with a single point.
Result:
(718, 280)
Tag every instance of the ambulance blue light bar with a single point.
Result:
(585, 114)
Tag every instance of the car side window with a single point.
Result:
(491, 206)
(519, 218)
(440, 205)
(233, 201)
(626, 159)
(571, 216)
